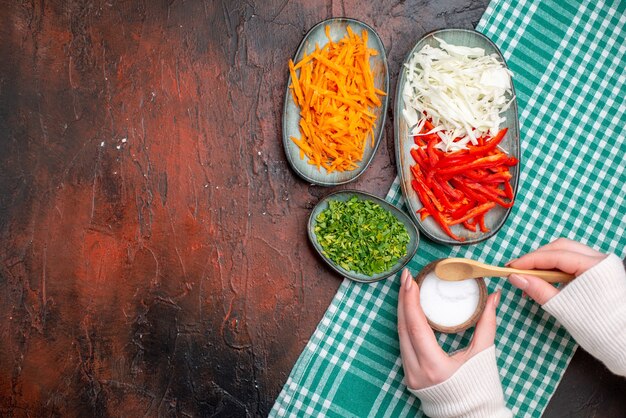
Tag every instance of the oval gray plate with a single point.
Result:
(496, 217)
(291, 111)
(401, 216)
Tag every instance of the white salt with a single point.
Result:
(448, 303)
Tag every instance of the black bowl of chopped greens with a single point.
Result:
(361, 236)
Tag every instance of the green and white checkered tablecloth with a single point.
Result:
(568, 61)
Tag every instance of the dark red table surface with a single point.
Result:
(153, 254)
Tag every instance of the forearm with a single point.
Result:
(474, 390)
(593, 309)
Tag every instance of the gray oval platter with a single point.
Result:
(403, 142)
(400, 215)
(291, 111)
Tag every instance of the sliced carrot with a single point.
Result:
(334, 88)
(295, 85)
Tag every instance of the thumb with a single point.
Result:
(485, 332)
(540, 290)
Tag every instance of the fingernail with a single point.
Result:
(496, 299)
(509, 263)
(518, 281)
(403, 277)
(406, 279)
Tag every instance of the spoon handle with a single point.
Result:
(550, 276)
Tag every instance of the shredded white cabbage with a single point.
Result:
(460, 88)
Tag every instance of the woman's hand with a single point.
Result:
(425, 363)
(591, 307)
(563, 254)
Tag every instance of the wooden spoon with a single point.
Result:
(455, 269)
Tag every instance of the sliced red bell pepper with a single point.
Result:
(419, 140)
(451, 191)
(421, 182)
(461, 187)
(476, 175)
(511, 161)
(469, 226)
(508, 189)
(423, 213)
(441, 195)
(432, 155)
(481, 223)
(418, 156)
(423, 195)
(483, 162)
(478, 210)
(499, 177)
(455, 158)
(490, 193)
(492, 144)
(468, 192)
(500, 192)
(430, 137)
(462, 210)
(428, 126)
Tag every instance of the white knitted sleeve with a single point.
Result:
(593, 309)
(473, 391)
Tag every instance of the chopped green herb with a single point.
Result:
(361, 236)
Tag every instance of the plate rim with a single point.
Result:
(383, 113)
(349, 274)
(396, 130)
